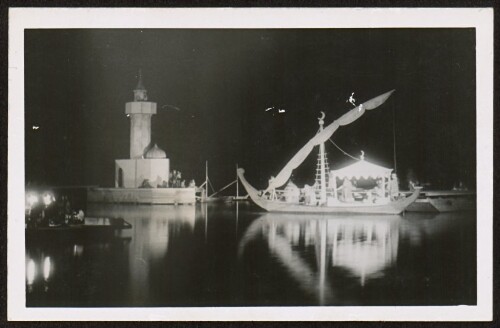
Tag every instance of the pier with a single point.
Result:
(142, 195)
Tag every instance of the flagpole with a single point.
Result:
(394, 137)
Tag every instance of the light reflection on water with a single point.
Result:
(363, 246)
(233, 254)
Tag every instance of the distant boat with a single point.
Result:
(204, 198)
(219, 199)
(89, 225)
(444, 201)
(271, 200)
(213, 198)
(241, 198)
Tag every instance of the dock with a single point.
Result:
(142, 195)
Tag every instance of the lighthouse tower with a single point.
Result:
(140, 111)
(148, 164)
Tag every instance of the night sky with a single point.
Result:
(78, 81)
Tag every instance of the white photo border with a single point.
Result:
(141, 18)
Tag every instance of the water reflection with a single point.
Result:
(220, 254)
(152, 228)
(156, 212)
(30, 272)
(46, 268)
(365, 248)
(362, 246)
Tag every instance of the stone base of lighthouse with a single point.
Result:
(131, 173)
(142, 195)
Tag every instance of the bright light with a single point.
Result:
(30, 272)
(77, 250)
(46, 268)
(32, 199)
(48, 199)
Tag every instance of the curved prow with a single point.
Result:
(404, 203)
(416, 192)
(252, 192)
(248, 187)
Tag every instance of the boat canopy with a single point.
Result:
(362, 169)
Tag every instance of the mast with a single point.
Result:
(206, 179)
(322, 159)
(237, 184)
(394, 136)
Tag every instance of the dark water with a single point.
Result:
(235, 255)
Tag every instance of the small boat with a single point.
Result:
(219, 199)
(203, 190)
(444, 201)
(328, 201)
(88, 225)
(241, 198)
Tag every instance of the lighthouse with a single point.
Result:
(148, 164)
(142, 178)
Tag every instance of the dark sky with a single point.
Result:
(78, 81)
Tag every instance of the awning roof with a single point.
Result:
(362, 169)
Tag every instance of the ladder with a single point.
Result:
(317, 181)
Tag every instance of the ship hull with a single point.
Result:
(394, 207)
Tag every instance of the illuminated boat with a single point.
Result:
(328, 201)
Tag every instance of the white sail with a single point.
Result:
(323, 136)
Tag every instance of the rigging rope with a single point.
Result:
(210, 183)
(229, 185)
(345, 153)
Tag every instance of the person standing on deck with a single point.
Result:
(394, 187)
(310, 195)
(378, 190)
(272, 195)
(172, 176)
(347, 190)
